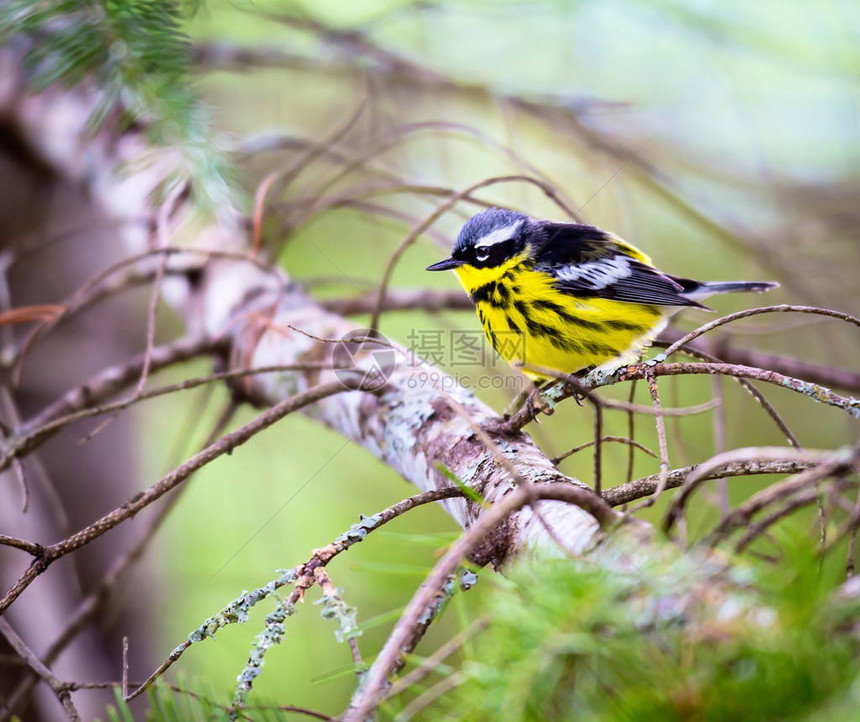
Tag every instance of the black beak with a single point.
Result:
(445, 265)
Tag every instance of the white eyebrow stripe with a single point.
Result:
(500, 235)
(597, 274)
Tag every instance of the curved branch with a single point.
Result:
(813, 391)
(783, 308)
(633, 490)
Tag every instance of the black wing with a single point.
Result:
(589, 263)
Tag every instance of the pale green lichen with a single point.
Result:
(333, 607)
(272, 634)
(554, 394)
(237, 611)
(357, 532)
(468, 579)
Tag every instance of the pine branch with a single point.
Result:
(137, 57)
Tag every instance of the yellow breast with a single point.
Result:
(531, 323)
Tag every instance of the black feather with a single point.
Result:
(568, 249)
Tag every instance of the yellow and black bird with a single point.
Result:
(567, 297)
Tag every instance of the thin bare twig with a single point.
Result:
(39, 668)
(163, 237)
(29, 547)
(813, 391)
(74, 686)
(759, 528)
(598, 445)
(119, 276)
(660, 422)
(100, 387)
(707, 468)
(632, 443)
(40, 434)
(851, 531)
(750, 388)
(98, 597)
(783, 308)
(834, 462)
(633, 490)
(722, 486)
(631, 432)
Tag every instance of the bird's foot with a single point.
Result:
(535, 401)
(539, 403)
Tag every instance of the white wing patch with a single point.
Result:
(500, 235)
(597, 274)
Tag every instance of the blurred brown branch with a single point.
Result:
(61, 690)
(633, 490)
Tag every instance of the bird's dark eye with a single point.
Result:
(482, 254)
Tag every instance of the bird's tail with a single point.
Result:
(696, 290)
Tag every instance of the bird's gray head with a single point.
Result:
(488, 239)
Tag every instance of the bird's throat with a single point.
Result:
(473, 278)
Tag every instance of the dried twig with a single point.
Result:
(798, 483)
(750, 388)
(632, 443)
(100, 387)
(663, 475)
(39, 668)
(783, 308)
(813, 391)
(726, 459)
(633, 490)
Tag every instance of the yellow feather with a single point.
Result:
(531, 323)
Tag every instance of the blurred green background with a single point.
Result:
(721, 137)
